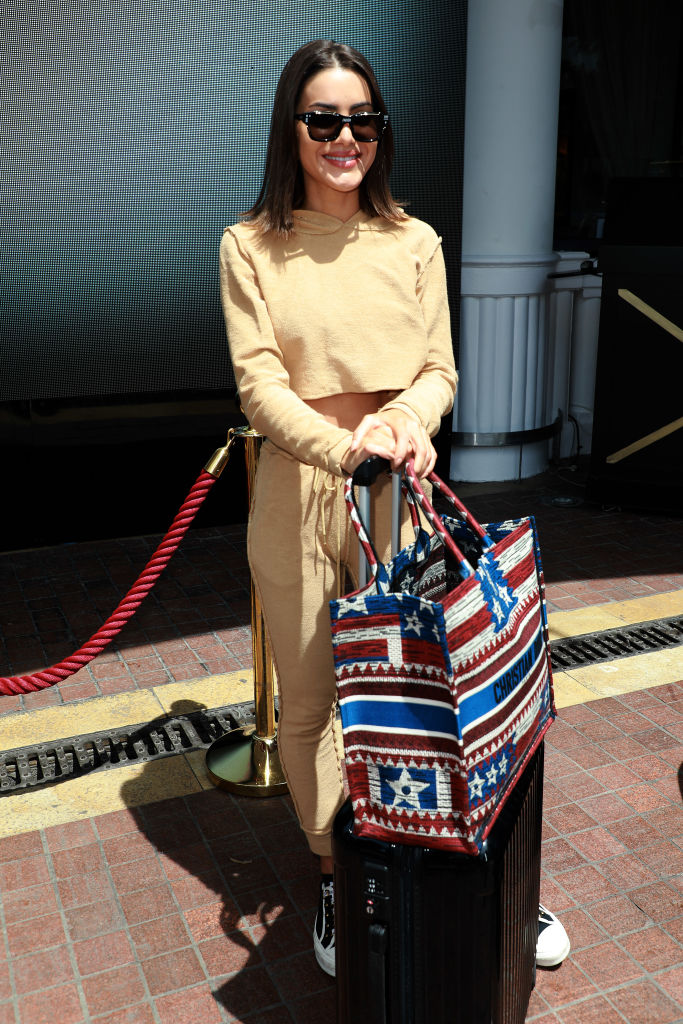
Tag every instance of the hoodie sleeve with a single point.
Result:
(430, 396)
(269, 403)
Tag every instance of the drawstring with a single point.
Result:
(321, 483)
(324, 484)
(341, 513)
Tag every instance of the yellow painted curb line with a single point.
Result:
(595, 618)
(88, 796)
(25, 728)
(98, 714)
(611, 678)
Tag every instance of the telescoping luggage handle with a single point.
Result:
(366, 474)
(363, 477)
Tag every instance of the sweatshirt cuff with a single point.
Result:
(404, 407)
(336, 454)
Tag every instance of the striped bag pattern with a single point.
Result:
(443, 675)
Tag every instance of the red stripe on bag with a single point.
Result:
(378, 745)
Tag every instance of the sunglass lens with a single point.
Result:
(366, 127)
(322, 127)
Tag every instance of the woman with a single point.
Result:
(337, 318)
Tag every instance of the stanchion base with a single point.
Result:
(247, 764)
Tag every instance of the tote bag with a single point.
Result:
(443, 675)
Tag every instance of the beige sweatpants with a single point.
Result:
(301, 543)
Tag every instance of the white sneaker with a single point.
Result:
(553, 942)
(323, 931)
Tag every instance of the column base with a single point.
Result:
(509, 462)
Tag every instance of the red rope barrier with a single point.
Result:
(127, 607)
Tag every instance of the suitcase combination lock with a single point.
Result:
(375, 893)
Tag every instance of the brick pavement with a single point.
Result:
(199, 908)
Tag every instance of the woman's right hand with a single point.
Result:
(395, 436)
(373, 439)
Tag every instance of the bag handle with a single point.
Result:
(433, 516)
(366, 473)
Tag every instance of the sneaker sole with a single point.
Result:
(555, 960)
(326, 961)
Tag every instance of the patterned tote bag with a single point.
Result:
(443, 675)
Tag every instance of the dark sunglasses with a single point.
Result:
(325, 127)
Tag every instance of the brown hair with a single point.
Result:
(282, 189)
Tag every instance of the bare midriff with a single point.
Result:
(348, 409)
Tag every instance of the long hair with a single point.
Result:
(282, 189)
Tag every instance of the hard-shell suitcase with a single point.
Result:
(432, 937)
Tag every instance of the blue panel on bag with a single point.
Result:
(397, 715)
(483, 702)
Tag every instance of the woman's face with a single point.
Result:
(334, 170)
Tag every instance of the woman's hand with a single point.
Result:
(398, 435)
(376, 439)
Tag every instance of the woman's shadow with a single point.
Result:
(247, 886)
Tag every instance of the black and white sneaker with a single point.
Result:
(323, 931)
(553, 942)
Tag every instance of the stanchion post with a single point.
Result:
(264, 675)
(246, 761)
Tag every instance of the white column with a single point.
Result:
(512, 92)
(574, 319)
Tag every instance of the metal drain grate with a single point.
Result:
(43, 763)
(621, 642)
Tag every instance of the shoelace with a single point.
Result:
(544, 919)
(328, 913)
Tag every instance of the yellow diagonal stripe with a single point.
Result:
(668, 325)
(644, 442)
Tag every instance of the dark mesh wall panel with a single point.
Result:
(131, 132)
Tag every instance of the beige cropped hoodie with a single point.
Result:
(338, 306)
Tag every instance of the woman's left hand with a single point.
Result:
(410, 439)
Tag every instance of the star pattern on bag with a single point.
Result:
(407, 789)
(494, 770)
(495, 590)
(351, 608)
(412, 622)
(476, 787)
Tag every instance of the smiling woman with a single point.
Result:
(339, 332)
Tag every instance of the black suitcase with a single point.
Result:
(432, 937)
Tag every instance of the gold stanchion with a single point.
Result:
(246, 761)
